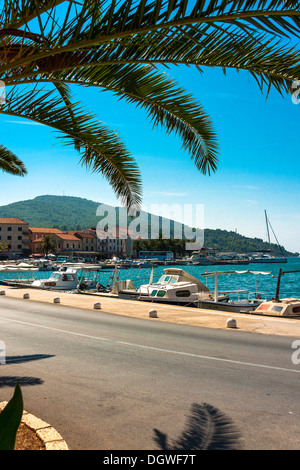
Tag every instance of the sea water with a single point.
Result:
(263, 283)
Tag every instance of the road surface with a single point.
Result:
(105, 381)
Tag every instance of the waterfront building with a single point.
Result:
(14, 232)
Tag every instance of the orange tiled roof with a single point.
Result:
(44, 230)
(85, 235)
(65, 236)
(12, 220)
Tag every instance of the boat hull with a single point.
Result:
(234, 307)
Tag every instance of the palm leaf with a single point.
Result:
(167, 105)
(100, 149)
(83, 41)
(10, 163)
(218, 34)
(10, 419)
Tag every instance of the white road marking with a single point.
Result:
(153, 348)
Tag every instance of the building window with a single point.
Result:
(19, 247)
(9, 229)
(20, 237)
(20, 229)
(9, 237)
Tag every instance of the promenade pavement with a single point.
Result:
(166, 313)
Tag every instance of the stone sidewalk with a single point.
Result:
(166, 313)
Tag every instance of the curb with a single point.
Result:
(51, 439)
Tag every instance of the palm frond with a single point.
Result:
(167, 105)
(101, 150)
(83, 41)
(241, 35)
(10, 163)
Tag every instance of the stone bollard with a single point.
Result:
(153, 313)
(56, 300)
(26, 296)
(231, 323)
(97, 305)
(2, 292)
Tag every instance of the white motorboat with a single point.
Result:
(44, 265)
(66, 278)
(175, 286)
(266, 258)
(16, 267)
(59, 280)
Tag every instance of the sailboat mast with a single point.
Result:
(267, 224)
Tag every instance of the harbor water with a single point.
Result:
(263, 283)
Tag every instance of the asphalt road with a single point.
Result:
(106, 381)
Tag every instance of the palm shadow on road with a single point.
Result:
(31, 357)
(11, 381)
(207, 428)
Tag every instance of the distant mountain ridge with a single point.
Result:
(76, 213)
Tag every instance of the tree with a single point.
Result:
(117, 46)
(48, 245)
(3, 246)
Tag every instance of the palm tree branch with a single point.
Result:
(278, 65)
(167, 105)
(127, 30)
(10, 163)
(100, 149)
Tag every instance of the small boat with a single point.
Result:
(16, 267)
(175, 286)
(285, 307)
(233, 305)
(65, 279)
(199, 258)
(141, 263)
(266, 258)
(59, 280)
(44, 265)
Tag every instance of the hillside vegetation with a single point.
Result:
(75, 213)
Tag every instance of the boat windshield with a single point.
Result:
(168, 279)
(55, 276)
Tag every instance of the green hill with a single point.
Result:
(63, 212)
(75, 213)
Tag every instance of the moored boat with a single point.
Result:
(175, 286)
(285, 307)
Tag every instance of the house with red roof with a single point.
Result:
(14, 233)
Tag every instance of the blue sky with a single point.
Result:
(258, 169)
